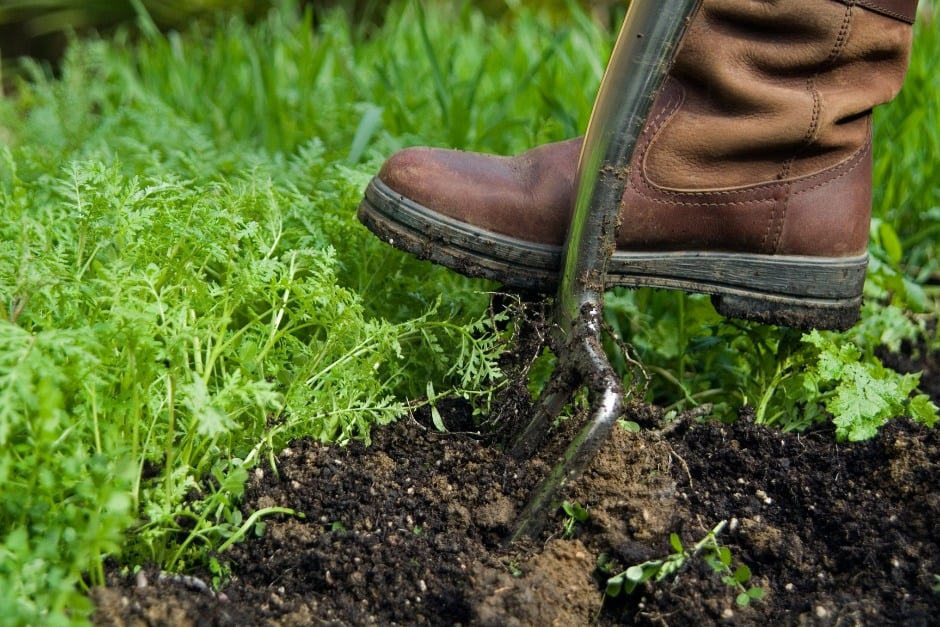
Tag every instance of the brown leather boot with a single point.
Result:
(751, 180)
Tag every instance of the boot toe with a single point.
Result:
(408, 171)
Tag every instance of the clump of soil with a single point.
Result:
(411, 531)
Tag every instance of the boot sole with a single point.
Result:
(786, 290)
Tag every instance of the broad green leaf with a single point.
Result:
(637, 574)
(724, 555)
(890, 242)
(742, 574)
(676, 542)
(614, 586)
(923, 410)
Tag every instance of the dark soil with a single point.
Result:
(411, 530)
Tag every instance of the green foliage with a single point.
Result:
(184, 287)
(793, 376)
(791, 379)
(861, 395)
(906, 192)
(363, 94)
(574, 513)
(159, 323)
(716, 556)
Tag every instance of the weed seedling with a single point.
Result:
(513, 568)
(221, 573)
(716, 556)
(574, 513)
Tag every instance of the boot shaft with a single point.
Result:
(778, 89)
(761, 140)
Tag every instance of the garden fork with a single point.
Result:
(637, 71)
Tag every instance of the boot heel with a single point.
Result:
(800, 314)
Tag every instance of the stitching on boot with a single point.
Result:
(841, 170)
(906, 13)
(812, 131)
(646, 189)
(817, 180)
(670, 108)
(758, 193)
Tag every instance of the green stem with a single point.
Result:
(674, 380)
(248, 524)
(683, 340)
(171, 425)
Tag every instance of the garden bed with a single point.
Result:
(411, 529)
(196, 333)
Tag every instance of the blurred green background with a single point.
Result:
(41, 28)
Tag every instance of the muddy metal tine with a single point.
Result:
(635, 74)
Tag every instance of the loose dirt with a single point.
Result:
(411, 531)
